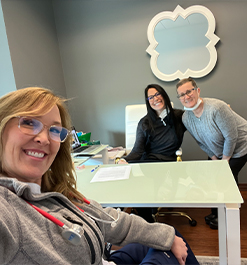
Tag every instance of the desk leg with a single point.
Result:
(233, 234)
(105, 156)
(222, 235)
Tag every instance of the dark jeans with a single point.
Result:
(236, 164)
(135, 254)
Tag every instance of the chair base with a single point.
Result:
(192, 222)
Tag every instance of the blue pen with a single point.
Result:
(94, 169)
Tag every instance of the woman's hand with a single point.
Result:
(122, 161)
(226, 158)
(179, 250)
(223, 158)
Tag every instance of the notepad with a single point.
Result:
(112, 173)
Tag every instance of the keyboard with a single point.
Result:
(86, 149)
(80, 149)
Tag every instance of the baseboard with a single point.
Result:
(208, 260)
(242, 186)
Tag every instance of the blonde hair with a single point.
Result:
(36, 101)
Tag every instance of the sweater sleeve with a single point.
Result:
(9, 231)
(225, 120)
(132, 228)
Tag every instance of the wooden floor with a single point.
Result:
(202, 239)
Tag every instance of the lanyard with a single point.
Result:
(72, 234)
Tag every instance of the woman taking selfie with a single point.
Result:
(43, 218)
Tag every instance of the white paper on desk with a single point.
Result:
(112, 173)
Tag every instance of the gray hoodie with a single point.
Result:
(27, 237)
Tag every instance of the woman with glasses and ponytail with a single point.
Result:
(43, 218)
(159, 133)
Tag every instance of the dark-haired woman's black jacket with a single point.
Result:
(159, 144)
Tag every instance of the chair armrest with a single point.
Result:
(179, 154)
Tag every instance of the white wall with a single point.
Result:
(7, 79)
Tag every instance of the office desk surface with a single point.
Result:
(178, 184)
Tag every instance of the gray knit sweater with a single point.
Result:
(27, 237)
(219, 131)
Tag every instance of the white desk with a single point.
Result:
(196, 184)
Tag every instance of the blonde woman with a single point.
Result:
(43, 218)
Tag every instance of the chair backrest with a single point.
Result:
(133, 113)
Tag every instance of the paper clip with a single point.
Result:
(81, 166)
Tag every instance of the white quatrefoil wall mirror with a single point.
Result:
(182, 43)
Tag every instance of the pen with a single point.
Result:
(94, 169)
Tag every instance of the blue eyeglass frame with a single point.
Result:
(44, 126)
(186, 93)
(155, 95)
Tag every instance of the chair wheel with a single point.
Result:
(193, 222)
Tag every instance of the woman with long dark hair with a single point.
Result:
(159, 133)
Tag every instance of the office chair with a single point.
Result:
(133, 113)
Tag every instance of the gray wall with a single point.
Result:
(33, 44)
(102, 47)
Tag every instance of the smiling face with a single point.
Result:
(28, 157)
(190, 96)
(157, 102)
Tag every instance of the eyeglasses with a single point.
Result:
(188, 93)
(31, 126)
(155, 95)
